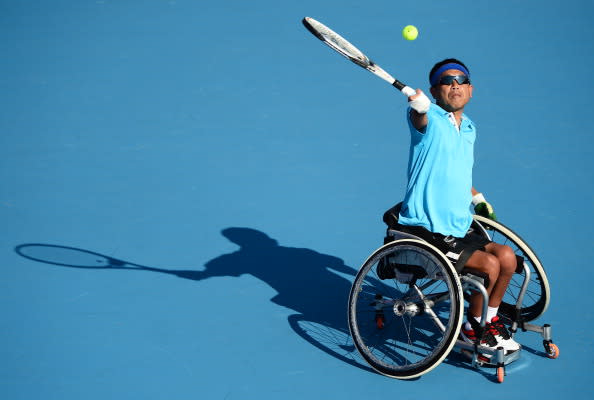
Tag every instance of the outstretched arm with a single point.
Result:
(419, 104)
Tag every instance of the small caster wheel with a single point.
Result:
(500, 374)
(552, 350)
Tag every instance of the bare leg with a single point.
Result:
(499, 263)
(507, 268)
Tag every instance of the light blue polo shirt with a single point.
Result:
(440, 175)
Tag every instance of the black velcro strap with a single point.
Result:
(520, 264)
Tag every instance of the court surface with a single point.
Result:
(189, 187)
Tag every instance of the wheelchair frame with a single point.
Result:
(408, 287)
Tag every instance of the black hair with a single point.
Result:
(444, 62)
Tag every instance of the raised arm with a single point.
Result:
(419, 104)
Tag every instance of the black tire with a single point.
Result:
(537, 297)
(417, 286)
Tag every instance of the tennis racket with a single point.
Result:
(346, 49)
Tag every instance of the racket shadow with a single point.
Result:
(73, 257)
(310, 283)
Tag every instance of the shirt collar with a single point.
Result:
(465, 120)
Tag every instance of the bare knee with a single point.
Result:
(487, 263)
(492, 266)
(507, 260)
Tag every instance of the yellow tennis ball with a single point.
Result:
(410, 32)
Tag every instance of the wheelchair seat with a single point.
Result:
(390, 218)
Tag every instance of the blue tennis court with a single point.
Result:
(189, 188)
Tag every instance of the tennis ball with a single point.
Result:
(410, 32)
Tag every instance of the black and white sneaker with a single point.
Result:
(494, 335)
(502, 335)
(487, 339)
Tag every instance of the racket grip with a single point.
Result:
(408, 91)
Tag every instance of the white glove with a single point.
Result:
(421, 103)
(482, 207)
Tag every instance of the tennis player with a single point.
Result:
(439, 193)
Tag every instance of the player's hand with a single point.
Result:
(419, 102)
(482, 207)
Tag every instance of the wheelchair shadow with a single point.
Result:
(307, 282)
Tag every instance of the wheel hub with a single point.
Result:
(402, 308)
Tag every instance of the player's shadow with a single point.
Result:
(307, 282)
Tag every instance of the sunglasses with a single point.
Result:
(449, 79)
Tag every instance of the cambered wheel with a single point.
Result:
(536, 299)
(418, 293)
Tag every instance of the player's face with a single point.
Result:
(454, 96)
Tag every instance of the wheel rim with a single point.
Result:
(536, 299)
(409, 343)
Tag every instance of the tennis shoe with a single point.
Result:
(487, 339)
(494, 335)
(503, 336)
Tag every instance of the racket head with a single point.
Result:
(336, 42)
(67, 256)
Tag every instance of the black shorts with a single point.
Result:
(457, 250)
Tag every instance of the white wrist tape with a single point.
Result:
(478, 198)
(420, 104)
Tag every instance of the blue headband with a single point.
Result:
(435, 76)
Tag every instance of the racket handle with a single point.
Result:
(406, 90)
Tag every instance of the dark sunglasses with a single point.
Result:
(449, 79)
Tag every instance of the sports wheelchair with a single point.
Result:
(406, 305)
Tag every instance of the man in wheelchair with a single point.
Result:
(436, 206)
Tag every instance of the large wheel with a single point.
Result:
(405, 309)
(536, 299)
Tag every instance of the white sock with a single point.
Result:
(491, 313)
